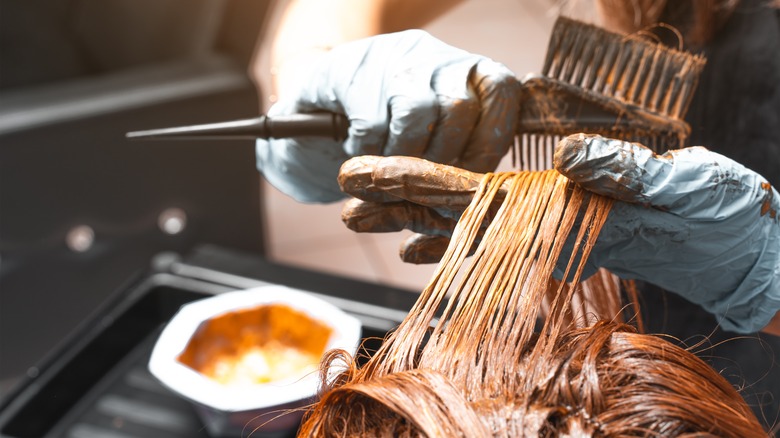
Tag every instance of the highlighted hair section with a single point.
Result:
(495, 346)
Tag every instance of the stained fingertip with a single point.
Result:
(425, 182)
(570, 153)
(355, 173)
(373, 217)
(356, 178)
(420, 249)
(610, 167)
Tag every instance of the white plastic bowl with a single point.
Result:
(231, 410)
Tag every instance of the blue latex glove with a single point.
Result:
(405, 94)
(693, 222)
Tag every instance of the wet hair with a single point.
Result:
(603, 380)
(482, 369)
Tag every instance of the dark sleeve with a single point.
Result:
(736, 109)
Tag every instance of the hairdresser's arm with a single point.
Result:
(300, 29)
(774, 325)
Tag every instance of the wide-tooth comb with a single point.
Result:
(600, 82)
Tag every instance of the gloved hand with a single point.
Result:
(397, 193)
(405, 93)
(691, 221)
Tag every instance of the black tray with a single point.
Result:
(97, 383)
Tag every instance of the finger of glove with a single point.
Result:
(424, 249)
(498, 93)
(414, 95)
(413, 113)
(420, 249)
(356, 179)
(387, 94)
(375, 217)
(693, 182)
(369, 117)
(459, 111)
(383, 179)
(426, 183)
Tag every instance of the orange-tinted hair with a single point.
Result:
(482, 369)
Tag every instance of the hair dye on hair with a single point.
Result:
(481, 368)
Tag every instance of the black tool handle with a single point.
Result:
(335, 126)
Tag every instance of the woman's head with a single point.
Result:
(469, 360)
(604, 380)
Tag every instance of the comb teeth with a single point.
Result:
(629, 68)
(535, 151)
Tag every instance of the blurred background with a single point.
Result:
(82, 211)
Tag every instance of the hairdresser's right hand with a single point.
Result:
(405, 93)
(691, 221)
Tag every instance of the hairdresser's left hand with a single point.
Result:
(404, 93)
(691, 221)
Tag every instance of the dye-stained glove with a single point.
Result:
(397, 193)
(691, 221)
(405, 93)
